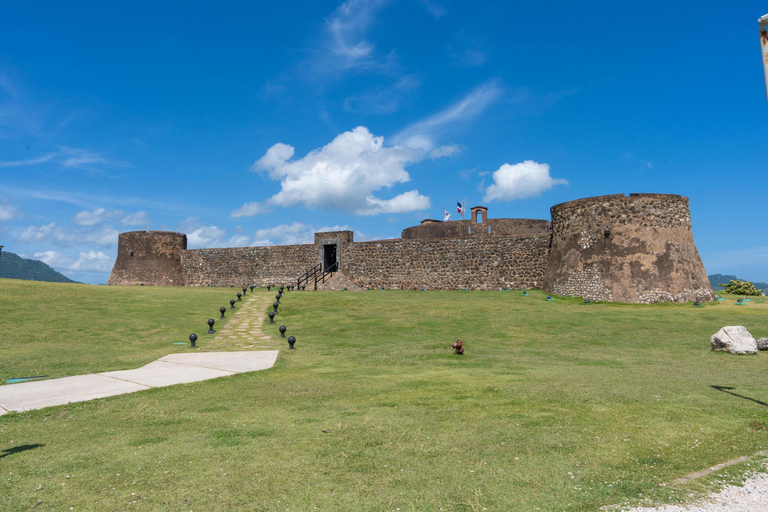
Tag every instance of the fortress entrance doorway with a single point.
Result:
(329, 256)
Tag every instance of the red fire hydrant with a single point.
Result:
(457, 348)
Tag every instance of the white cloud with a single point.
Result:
(212, 236)
(447, 150)
(343, 175)
(91, 261)
(104, 235)
(285, 234)
(8, 211)
(97, 216)
(423, 134)
(139, 218)
(35, 234)
(206, 236)
(520, 181)
(292, 234)
(251, 209)
(410, 201)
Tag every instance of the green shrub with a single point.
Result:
(739, 287)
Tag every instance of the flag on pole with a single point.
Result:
(460, 208)
(446, 215)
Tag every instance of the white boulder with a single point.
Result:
(762, 344)
(734, 339)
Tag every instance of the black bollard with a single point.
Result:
(231, 303)
(269, 287)
(271, 316)
(245, 291)
(211, 321)
(222, 310)
(282, 330)
(278, 297)
(291, 341)
(251, 287)
(192, 340)
(275, 306)
(239, 295)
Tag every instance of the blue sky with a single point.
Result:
(262, 122)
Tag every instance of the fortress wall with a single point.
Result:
(647, 256)
(448, 264)
(245, 266)
(151, 258)
(468, 228)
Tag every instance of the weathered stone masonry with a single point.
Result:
(449, 264)
(636, 248)
(240, 266)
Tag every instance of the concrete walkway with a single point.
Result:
(242, 331)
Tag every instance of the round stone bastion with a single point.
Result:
(637, 248)
(151, 258)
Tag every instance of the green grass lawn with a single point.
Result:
(554, 406)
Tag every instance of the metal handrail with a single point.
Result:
(316, 274)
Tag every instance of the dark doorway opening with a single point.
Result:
(329, 256)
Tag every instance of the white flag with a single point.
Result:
(446, 215)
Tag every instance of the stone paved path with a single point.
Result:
(243, 330)
(213, 359)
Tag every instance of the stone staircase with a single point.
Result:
(338, 282)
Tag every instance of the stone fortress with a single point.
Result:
(637, 248)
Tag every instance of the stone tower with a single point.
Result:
(151, 258)
(636, 248)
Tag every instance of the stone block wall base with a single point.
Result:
(338, 282)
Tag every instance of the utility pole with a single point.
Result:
(764, 49)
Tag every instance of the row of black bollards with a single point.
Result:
(222, 310)
(272, 314)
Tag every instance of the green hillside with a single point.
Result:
(716, 279)
(12, 266)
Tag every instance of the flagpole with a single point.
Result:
(764, 49)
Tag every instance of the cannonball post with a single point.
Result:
(282, 330)
(222, 310)
(192, 340)
(231, 303)
(291, 341)
(271, 316)
(211, 321)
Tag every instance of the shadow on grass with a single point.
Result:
(19, 449)
(726, 389)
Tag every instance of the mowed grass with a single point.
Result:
(60, 329)
(554, 406)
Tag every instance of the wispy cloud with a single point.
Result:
(30, 161)
(438, 11)
(8, 211)
(67, 158)
(384, 99)
(467, 51)
(423, 134)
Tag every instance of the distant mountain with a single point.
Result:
(12, 266)
(716, 279)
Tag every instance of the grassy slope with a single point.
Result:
(555, 405)
(72, 329)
